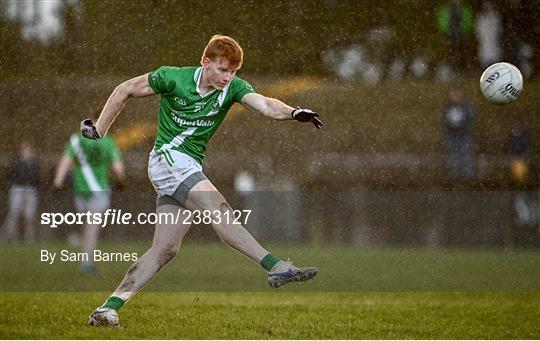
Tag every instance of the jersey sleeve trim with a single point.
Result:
(151, 84)
(242, 88)
(162, 80)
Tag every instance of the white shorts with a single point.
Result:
(23, 200)
(97, 202)
(165, 175)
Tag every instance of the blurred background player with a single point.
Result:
(457, 123)
(519, 147)
(23, 180)
(193, 104)
(90, 162)
(489, 33)
(456, 22)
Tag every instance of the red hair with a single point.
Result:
(224, 47)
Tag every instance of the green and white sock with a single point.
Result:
(113, 302)
(269, 261)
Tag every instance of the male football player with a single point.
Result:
(90, 162)
(194, 102)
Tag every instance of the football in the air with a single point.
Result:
(501, 83)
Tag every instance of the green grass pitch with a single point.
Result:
(210, 292)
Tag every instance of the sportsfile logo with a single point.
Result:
(119, 217)
(111, 216)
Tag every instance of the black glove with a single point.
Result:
(307, 115)
(89, 131)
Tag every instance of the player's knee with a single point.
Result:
(224, 207)
(226, 212)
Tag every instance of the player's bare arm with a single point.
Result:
(135, 87)
(278, 110)
(119, 171)
(64, 166)
(267, 106)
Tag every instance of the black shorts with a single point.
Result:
(180, 195)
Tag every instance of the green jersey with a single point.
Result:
(187, 119)
(93, 159)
